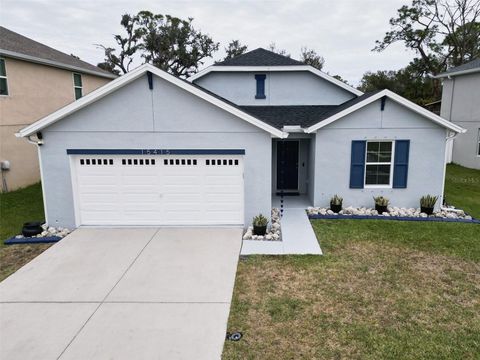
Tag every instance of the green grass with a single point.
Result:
(462, 188)
(383, 290)
(453, 239)
(17, 207)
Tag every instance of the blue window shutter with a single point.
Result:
(357, 165)
(260, 86)
(400, 166)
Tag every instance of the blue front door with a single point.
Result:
(287, 165)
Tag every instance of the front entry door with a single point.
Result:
(287, 165)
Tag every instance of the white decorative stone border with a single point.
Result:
(444, 213)
(274, 233)
(49, 232)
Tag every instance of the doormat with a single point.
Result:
(288, 193)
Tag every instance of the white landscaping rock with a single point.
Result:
(273, 233)
(393, 211)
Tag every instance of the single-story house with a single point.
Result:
(151, 149)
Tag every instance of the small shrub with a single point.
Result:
(336, 200)
(428, 201)
(260, 220)
(381, 200)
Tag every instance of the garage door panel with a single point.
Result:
(131, 180)
(98, 180)
(181, 180)
(166, 190)
(94, 198)
(140, 197)
(194, 199)
(223, 198)
(101, 217)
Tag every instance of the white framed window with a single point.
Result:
(379, 164)
(3, 78)
(77, 85)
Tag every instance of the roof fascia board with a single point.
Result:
(397, 98)
(37, 60)
(456, 73)
(131, 76)
(216, 68)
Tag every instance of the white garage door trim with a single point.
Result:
(121, 187)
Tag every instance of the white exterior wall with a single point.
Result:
(333, 155)
(281, 88)
(167, 117)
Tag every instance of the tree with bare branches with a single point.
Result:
(443, 33)
(167, 42)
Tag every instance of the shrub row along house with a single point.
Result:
(151, 149)
(35, 80)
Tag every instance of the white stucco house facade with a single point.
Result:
(152, 149)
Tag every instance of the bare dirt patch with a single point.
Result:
(13, 257)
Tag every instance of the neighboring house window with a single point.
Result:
(260, 78)
(478, 145)
(3, 78)
(77, 86)
(378, 163)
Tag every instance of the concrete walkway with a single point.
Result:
(122, 294)
(298, 237)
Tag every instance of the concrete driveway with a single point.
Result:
(145, 293)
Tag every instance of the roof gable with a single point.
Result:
(128, 78)
(358, 103)
(282, 68)
(18, 46)
(260, 57)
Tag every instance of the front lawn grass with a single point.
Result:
(16, 208)
(462, 188)
(383, 290)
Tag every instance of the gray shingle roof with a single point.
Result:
(303, 115)
(260, 57)
(474, 64)
(12, 43)
(279, 116)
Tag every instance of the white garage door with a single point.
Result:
(158, 189)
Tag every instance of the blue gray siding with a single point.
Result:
(281, 88)
(333, 151)
(167, 117)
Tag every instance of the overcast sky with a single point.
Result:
(342, 31)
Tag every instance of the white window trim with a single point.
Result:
(5, 77)
(391, 163)
(77, 87)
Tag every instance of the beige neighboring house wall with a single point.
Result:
(34, 91)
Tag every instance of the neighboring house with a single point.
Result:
(35, 80)
(152, 149)
(461, 105)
